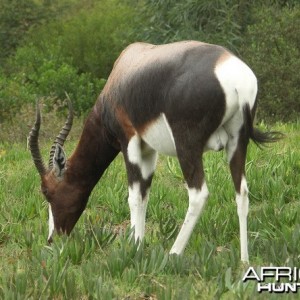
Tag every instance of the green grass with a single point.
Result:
(99, 262)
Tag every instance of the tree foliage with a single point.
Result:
(272, 49)
(52, 46)
(73, 54)
(219, 22)
(17, 17)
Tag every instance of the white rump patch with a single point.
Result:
(51, 223)
(239, 85)
(159, 136)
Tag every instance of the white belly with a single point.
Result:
(159, 136)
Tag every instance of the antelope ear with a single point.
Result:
(59, 161)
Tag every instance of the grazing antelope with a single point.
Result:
(178, 99)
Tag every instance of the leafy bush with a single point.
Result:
(95, 38)
(40, 77)
(17, 17)
(271, 47)
(71, 45)
(54, 81)
(73, 54)
(13, 94)
(90, 41)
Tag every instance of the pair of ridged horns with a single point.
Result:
(33, 140)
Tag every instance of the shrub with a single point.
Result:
(90, 41)
(54, 81)
(17, 17)
(37, 75)
(95, 38)
(73, 54)
(13, 94)
(271, 47)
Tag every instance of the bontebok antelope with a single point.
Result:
(178, 99)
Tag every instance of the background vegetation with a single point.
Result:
(52, 46)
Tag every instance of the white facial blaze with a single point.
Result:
(51, 223)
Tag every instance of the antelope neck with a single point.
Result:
(86, 166)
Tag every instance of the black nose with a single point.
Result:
(50, 240)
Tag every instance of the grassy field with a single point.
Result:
(99, 262)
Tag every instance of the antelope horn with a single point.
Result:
(61, 138)
(33, 142)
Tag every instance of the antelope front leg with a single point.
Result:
(138, 207)
(140, 166)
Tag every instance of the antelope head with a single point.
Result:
(66, 201)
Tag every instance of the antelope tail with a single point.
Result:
(257, 136)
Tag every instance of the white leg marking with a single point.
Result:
(51, 223)
(242, 202)
(239, 84)
(138, 207)
(197, 199)
(148, 164)
(145, 161)
(134, 150)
